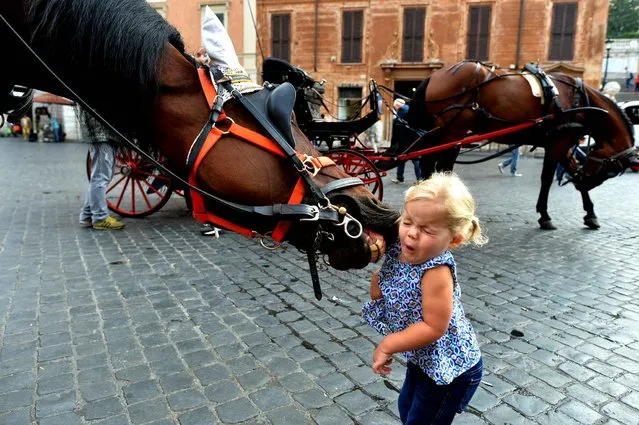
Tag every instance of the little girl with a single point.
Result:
(415, 303)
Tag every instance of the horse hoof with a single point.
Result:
(547, 225)
(592, 222)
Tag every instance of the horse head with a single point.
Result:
(613, 151)
(130, 65)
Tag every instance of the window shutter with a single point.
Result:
(285, 44)
(569, 30)
(473, 32)
(347, 32)
(352, 31)
(275, 35)
(357, 36)
(484, 33)
(478, 37)
(280, 36)
(562, 34)
(413, 35)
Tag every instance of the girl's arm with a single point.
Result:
(376, 293)
(437, 310)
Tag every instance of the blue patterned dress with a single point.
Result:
(401, 306)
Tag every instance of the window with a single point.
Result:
(349, 101)
(478, 37)
(562, 31)
(352, 36)
(413, 46)
(281, 36)
(219, 10)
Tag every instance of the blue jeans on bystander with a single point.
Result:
(423, 402)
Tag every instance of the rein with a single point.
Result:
(323, 212)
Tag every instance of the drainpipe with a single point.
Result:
(521, 23)
(316, 35)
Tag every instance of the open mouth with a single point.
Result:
(376, 244)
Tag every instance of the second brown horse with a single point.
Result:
(471, 97)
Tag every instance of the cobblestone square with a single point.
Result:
(156, 324)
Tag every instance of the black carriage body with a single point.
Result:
(309, 101)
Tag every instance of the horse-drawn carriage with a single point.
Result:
(436, 146)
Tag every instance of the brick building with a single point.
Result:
(400, 42)
(186, 16)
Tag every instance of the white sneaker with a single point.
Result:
(396, 181)
(516, 174)
(500, 168)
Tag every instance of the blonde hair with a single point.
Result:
(459, 205)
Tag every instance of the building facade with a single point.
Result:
(400, 42)
(236, 15)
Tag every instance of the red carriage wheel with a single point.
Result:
(137, 188)
(357, 165)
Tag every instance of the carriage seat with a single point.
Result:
(279, 71)
(275, 103)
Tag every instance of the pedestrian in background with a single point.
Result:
(95, 212)
(629, 79)
(512, 161)
(402, 137)
(416, 303)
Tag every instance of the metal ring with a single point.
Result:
(346, 221)
(229, 129)
(272, 246)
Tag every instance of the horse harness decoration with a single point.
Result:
(272, 107)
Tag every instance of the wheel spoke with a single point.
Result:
(126, 184)
(157, 192)
(144, 197)
(115, 184)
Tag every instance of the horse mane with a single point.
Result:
(108, 51)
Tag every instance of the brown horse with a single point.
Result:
(471, 97)
(130, 65)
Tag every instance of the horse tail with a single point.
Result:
(418, 115)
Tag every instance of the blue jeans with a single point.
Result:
(416, 166)
(423, 402)
(512, 161)
(102, 163)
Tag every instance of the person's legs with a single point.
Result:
(514, 160)
(400, 172)
(85, 212)
(406, 395)
(418, 169)
(101, 174)
(438, 404)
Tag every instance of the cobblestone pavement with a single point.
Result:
(158, 325)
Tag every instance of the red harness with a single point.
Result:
(199, 210)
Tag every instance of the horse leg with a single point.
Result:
(547, 174)
(590, 218)
(447, 159)
(427, 164)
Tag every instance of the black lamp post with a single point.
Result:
(608, 45)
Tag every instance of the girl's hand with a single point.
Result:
(381, 362)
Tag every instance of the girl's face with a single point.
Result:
(423, 231)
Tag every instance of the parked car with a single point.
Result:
(631, 108)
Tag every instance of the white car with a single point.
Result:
(631, 108)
